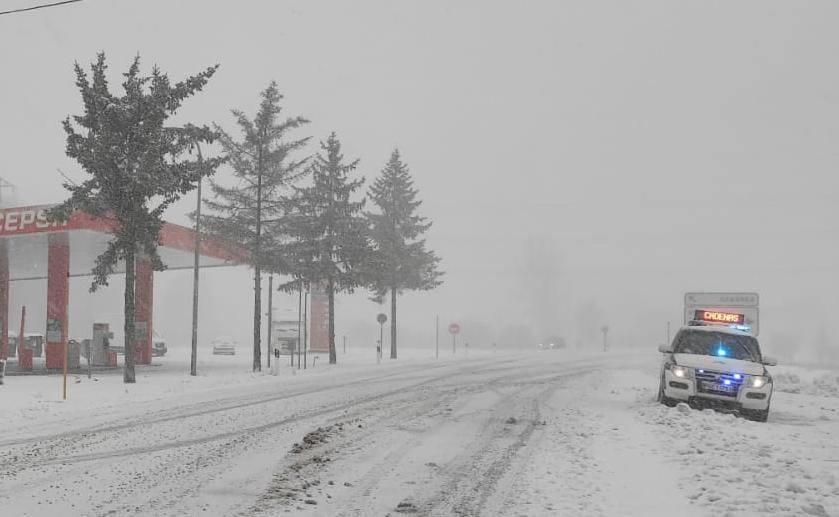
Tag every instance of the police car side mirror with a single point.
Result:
(665, 349)
(770, 361)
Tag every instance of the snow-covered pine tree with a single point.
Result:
(400, 259)
(250, 212)
(137, 167)
(327, 231)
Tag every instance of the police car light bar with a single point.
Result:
(728, 318)
(742, 328)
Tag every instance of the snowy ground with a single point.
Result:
(542, 433)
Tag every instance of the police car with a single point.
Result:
(714, 362)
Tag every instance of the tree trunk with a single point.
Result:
(333, 357)
(393, 323)
(128, 376)
(257, 320)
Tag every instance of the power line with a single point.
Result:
(68, 178)
(39, 7)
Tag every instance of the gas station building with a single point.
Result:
(32, 247)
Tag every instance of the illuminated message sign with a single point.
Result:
(720, 317)
(746, 304)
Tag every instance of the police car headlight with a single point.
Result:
(681, 371)
(759, 381)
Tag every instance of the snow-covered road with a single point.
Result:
(547, 433)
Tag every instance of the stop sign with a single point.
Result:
(454, 328)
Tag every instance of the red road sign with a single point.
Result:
(454, 328)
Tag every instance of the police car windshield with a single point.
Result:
(718, 344)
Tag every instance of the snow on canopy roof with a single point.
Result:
(25, 233)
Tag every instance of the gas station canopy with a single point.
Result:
(26, 233)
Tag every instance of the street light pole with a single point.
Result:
(193, 362)
(305, 332)
(299, 324)
(270, 315)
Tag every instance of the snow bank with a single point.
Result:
(737, 467)
(798, 380)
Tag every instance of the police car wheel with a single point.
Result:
(660, 396)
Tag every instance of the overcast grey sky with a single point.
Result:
(581, 161)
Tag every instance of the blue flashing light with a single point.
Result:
(738, 376)
(727, 382)
(701, 371)
(721, 351)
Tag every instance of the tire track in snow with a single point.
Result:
(400, 404)
(55, 446)
(54, 452)
(303, 415)
(200, 409)
(482, 474)
(474, 476)
(200, 459)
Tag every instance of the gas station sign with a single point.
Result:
(31, 219)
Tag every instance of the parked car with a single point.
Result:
(224, 346)
(552, 343)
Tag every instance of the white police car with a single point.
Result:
(718, 367)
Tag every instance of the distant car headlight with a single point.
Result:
(759, 381)
(681, 371)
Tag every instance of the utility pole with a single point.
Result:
(667, 334)
(437, 338)
(345, 345)
(270, 315)
(299, 324)
(193, 361)
(605, 330)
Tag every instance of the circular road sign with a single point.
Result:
(381, 318)
(454, 328)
